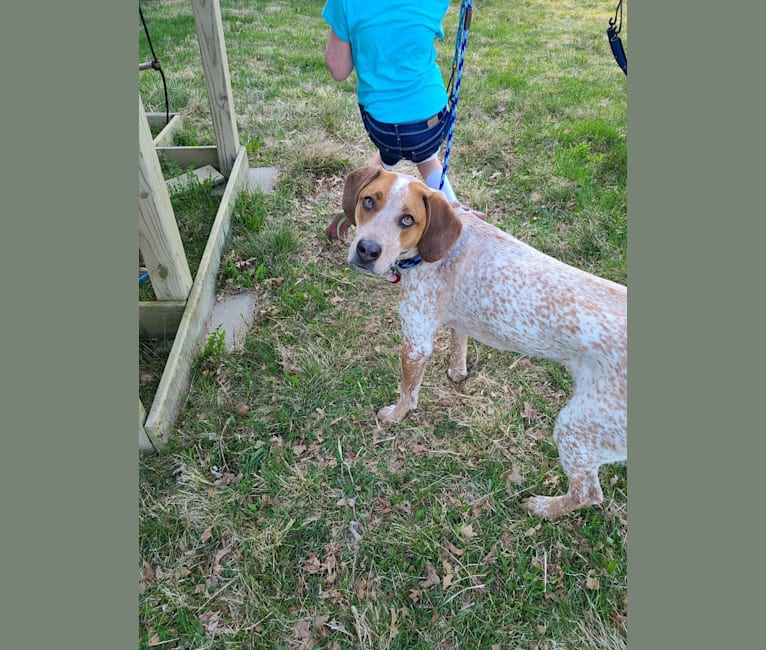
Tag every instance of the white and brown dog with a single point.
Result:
(470, 276)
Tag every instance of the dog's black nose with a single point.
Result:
(367, 251)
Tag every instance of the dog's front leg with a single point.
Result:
(457, 371)
(414, 359)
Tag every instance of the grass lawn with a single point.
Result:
(281, 515)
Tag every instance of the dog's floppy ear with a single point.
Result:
(355, 181)
(442, 230)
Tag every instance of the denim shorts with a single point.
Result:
(414, 141)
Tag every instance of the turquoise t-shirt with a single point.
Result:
(392, 45)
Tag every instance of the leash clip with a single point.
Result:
(395, 272)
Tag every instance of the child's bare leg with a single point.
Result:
(431, 171)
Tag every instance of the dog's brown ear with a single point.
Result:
(355, 181)
(442, 230)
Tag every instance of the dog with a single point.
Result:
(460, 272)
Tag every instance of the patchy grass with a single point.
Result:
(281, 514)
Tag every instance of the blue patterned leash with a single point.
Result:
(461, 40)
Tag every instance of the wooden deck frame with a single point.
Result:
(168, 131)
(183, 314)
(197, 310)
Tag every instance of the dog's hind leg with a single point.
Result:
(584, 490)
(457, 371)
(586, 439)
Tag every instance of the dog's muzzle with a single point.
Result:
(366, 254)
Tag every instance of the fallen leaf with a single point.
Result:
(210, 619)
(393, 630)
(320, 623)
(448, 575)
(457, 552)
(513, 476)
(466, 531)
(529, 412)
(432, 579)
(218, 557)
(312, 563)
(221, 554)
(532, 531)
(148, 571)
(619, 623)
(227, 478)
(302, 634)
(329, 565)
(591, 582)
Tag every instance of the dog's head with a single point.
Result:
(396, 216)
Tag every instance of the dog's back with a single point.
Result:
(506, 294)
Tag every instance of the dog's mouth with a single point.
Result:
(362, 268)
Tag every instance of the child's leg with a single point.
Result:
(375, 161)
(431, 171)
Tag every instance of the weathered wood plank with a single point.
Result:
(201, 174)
(157, 118)
(215, 63)
(165, 137)
(159, 319)
(175, 378)
(158, 237)
(186, 156)
(145, 445)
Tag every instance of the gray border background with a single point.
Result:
(695, 170)
(68, 463)
(69, 323)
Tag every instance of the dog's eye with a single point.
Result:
(406, 221)
(367, 203)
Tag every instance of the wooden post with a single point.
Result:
(145, 444)
(158, 237)
(207, 16)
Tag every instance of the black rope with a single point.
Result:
(615, 42)
(155, 65)
(613, 21)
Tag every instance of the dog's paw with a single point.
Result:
(456, 377)
(551, 508)
(545, 507)
(392, 414)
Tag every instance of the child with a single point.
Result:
(400, 90)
